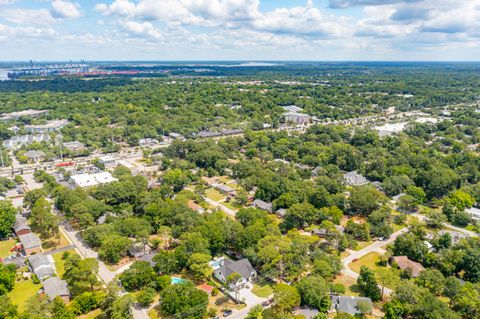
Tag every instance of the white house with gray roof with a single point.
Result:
(41, 265)
(260, 204)
(243, 267)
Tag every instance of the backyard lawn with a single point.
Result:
(262, 290)
(60, 263)
(54, 243)
(5, 246)
(214, 195)
(22, 291)
(391, 275)
(362, 244)
(96, 314)
(351, 287)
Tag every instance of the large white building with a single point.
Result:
(297, 118)
(89, 180)
(50, 126)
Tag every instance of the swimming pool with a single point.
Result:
(177, 280)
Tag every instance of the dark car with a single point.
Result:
(266, 303)
(227, 313)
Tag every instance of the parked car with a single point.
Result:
(266, 303)
(227, 313)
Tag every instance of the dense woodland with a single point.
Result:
(432, 164)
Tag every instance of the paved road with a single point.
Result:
(250, 299)
(375, 247)
(459, 229)
(222, 207)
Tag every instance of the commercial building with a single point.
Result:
(297, 118)
(292, 108)
(25, 113)
(390, 129)
(50, 126)
(108, 161)
(90, 180)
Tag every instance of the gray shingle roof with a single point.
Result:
(30, 240)
(347, 304)
(242, 267)
(41, 265)
(54, 287)
(354, 179)
(34, 154)
(262, 205)
(20, 224)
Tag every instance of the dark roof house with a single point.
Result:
(21, 226)
(228, 267)
(348, 304)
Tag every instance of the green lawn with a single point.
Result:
(229, 205)
(368, 260)
(362, 244)
(5, 246)
(351, 287)
(60, 263)
(153, 314)
(213, 194)
(22, 291)
(262, 290)
(96, 314)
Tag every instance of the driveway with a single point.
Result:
(250, 300)
(227, 210)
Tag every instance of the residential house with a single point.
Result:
(456, 235)
(292, 108)
(307, 313)
(50, 126)
(21, 225)
(243, 267)
(74, 147)
(176, 136)
(41, 265)
(224, 188)
(34, 156)
(195, 207)
(31, 243)
(260, 204)
(406, 264)
(354, 179)
(56, 287)
(19, 140)
(348, 304)
(148, 142)
(206, 134)
(139, 249)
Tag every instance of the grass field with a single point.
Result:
(368, 260)
(262, 290)
(60, 263)
(362, 244)
(214, 195)
(351, 287)
(5, 246)
(22, 291)
(96, 314)
(54, 243)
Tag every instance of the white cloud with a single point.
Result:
(27, 16)
(143, 29)
(65, 10)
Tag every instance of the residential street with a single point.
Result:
(375, 247)
(227, 210)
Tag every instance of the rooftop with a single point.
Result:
(30, 240)
(354, 179)
(404, 263)
(54, 287)
(88, 180)
(348, 304)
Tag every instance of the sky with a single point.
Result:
(319, 30)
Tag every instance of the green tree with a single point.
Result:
(145, 296)
(113, 248)
(314, 292)
(7, 278)
(166, 262)
(367, 282)
(286, 297)
(185, 300)
(60, 310)
(42, 220)
(81, 274)
(138, 276)
(7, 218)
(199, 267)
(7, 309)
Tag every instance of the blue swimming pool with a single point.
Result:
(177, 280)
